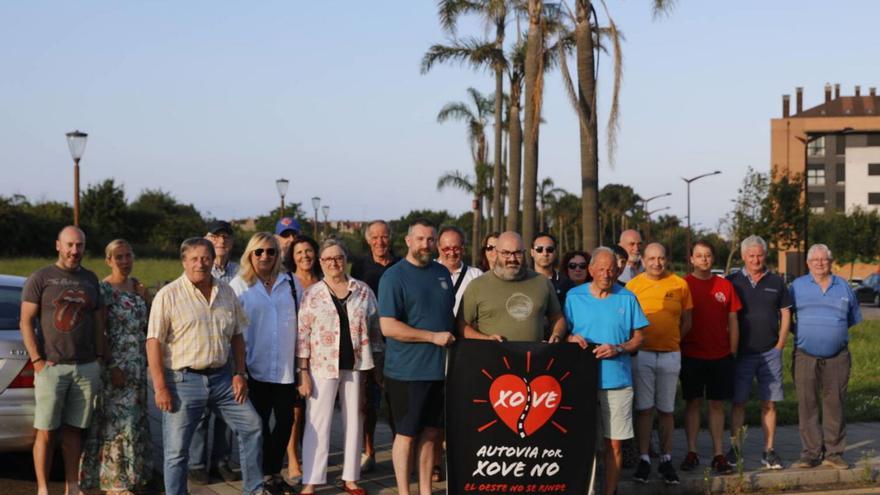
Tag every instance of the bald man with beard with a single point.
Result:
(510, 302)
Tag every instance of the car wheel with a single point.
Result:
(877, 299)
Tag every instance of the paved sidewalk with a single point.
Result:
(863, 452)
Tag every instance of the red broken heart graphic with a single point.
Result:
(525, 406)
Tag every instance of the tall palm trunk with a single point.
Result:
(476, 225)
(499, 109)
(589, 133)
(533, 89)
(514, 152)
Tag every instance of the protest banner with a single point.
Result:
(520, 417)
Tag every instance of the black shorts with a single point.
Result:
(709, 378)
(415, 405)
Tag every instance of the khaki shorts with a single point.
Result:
(616, 407)
(66, 393)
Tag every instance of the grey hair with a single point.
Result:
(194, 242)
(599, 250)
(453, 228)
(752, 241)
(816, 247)
(375, 222)
(329, 243)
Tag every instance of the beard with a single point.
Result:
(509, 273)
(422, 256)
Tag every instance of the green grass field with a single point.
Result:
(863, 402)
(150, 271)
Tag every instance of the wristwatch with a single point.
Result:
(619, 349)
(242, 374)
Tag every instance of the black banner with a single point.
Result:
(520, 417)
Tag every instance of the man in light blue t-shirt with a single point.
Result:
(609, 316)
(416, 297)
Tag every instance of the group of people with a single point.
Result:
(251, 356)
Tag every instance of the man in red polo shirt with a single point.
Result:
(707, 354)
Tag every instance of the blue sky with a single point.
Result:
(213, 101)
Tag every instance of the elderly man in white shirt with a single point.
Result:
(267, 296)
(450, 245)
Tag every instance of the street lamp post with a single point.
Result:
(316, 203)
(76, 141)
(648, 213)
(687, 253)
(282, 184)
(325, 210)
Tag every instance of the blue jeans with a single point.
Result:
(191, 395)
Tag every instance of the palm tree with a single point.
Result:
(515, 74)
(475, 118)
(488, 54)
(534, 88)
(475, 186)
(547, 193)
(584, 103)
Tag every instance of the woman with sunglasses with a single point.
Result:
(575, 264)
(487, 251)
(338, 319)
(266, 293)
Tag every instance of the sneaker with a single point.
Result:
(368, 463)
(690, 462)
(836, 462)
(806, 463)
(278, 486)
(643, 470)
(731, 457)
(771, 460)
(198, 476)
(670, 477)
(720, 465)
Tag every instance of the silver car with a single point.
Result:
(16, 372)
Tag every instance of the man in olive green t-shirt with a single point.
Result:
(510, 302)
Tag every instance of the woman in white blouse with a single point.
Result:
(338, 317)
(267, 295)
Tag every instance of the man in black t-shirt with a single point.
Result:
(369, 269)
(763, 328)
(64, 298)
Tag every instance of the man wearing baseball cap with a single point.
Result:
(286, 231)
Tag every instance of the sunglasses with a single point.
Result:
(580, 266)
(540, 249)
(489, 248)
(259, 252)
(288, 233)
(451, 249)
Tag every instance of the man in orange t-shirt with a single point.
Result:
(666, 300)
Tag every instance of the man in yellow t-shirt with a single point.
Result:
(666, 301)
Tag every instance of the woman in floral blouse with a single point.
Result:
(116, 456)
(337, 320)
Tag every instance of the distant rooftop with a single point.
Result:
(857, 105)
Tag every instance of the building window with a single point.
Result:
(816, 199)
(816, 147)
(816, 176)
(840, 201)
(874, 169)
(817, 210)
(840, 172)
(873, 140)
(874, 198)
(841, 144)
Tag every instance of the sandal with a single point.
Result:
(354, 491)
(437, 475)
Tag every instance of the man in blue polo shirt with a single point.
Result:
(604, 313)
(416, 297)
(764, 322)
(825, 308)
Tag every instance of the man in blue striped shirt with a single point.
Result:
(825, 308)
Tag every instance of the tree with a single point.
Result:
(547, 192)
(616, 201)
(534, 90)
(399, 226)
(477, 188)
(475, 118)
(480, 54)
(584, 102)
(162, 223)
(104, 213)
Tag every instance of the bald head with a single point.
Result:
(71, 245)
(509, 258)
(655, 260)
(510, 241)
(631, 240)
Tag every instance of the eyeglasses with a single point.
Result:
(333, 259)
(288, 233)
(489, 248)
(540, 249)
(259, 252)
(511, 254)
(451, 249)
(580, 266)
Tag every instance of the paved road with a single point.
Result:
(870, 312)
